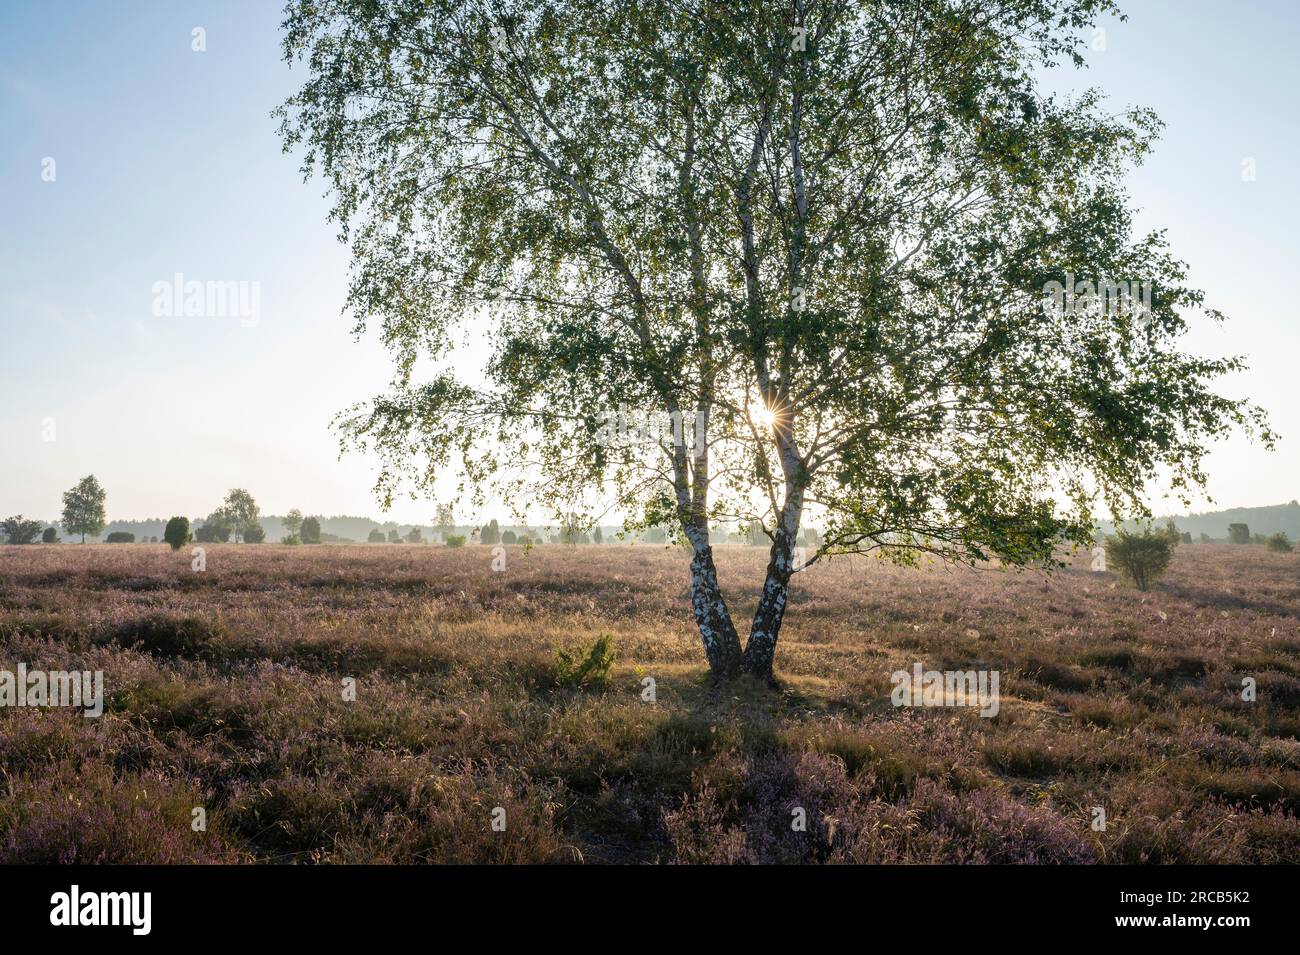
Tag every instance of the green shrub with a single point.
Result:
(16, 530)
(508, 537)
(1139, 558)
(254, 534)
(455, 540)
(376, 536)
(1281, 543)
(1238, 533)
(120, 537)
(177, 532)
(585, 667)
(491, 533)
(49, 536)
(310, 532)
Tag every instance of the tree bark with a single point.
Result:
(721, 643)
(760, 649)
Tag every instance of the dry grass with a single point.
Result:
(224, 692)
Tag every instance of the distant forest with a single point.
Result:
(1276, 518)
(1284, 518)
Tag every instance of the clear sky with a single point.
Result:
(167, 161)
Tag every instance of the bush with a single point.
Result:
(1281, 543)
(415, 537)
(1238, 533)
(153, 540)
(49, 536)
(508, 537)
(177, 532)
(209, 533)
(376, 536)
(293, 540)
(310, 533)
(254, 534)
(1139, 558)
(120, 537)
(455, 540)
(19, 531)
(589, 667)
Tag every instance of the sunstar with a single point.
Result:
(53, 688)
(103, 908)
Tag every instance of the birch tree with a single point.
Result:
(845, 257)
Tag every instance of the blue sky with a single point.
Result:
(167, 161)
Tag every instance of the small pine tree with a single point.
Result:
(177, 532)
(376, 536)
(509, 537)
(491, 533)
(1238, 533)
(49, 536)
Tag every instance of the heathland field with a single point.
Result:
(224, 689)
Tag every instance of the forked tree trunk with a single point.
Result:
(721, 644)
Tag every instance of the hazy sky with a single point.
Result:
(167, 161)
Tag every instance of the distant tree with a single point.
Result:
(455, 540)
(415, 537)
(1139, 558)
(509, 537)
(491, 533)
(394, 537)
(177, 532)
(240, 512)
(376, 536)
(597, 536)
(310, 531)
(83, 508)
(50, 536)
(254, 534)
(446, 520)
(1281, 543)
(219, 526)
(293, 522)
(1186, 537)
(1206, 538)
(1238, 534)
(120, 537)
(19, 531)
